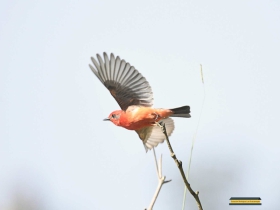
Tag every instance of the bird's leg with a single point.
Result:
(158, 124)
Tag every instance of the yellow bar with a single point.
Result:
(245, 201)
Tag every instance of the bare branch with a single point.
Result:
(180, 167)
(161, 180)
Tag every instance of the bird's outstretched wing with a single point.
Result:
(123, 81)
(152, 135)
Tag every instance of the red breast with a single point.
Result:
(139, 117)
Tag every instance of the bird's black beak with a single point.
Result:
(106, 119)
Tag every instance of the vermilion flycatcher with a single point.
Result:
(135, 97)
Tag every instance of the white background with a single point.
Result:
(57, 153)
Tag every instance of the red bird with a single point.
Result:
(135, 97)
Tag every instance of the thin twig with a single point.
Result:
(161, 180)
(180, 167)
(194, 137)
(155, 156)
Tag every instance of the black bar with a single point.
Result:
(245, 198)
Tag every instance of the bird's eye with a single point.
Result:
(113, 116)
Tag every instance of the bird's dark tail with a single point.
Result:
(183, 111)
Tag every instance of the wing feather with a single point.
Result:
(102, 68)
(122, 70)
(124, 82)
(112, 66)
(117, 67)
(107, 66)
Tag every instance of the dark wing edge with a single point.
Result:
(152, 135)
(124, 82)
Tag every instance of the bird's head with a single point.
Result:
(114, 117)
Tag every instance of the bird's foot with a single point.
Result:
(156, 116)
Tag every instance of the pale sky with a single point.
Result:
(57, 153)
